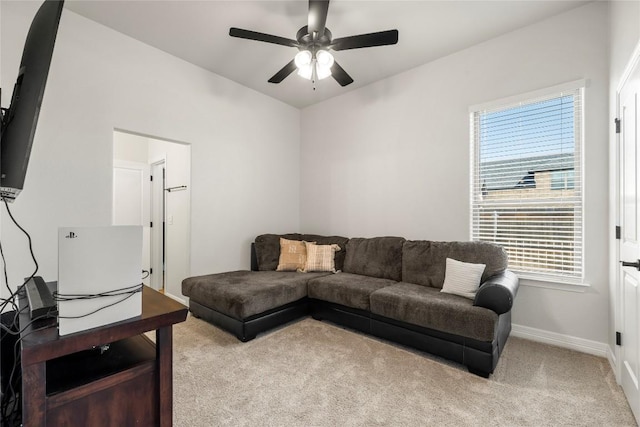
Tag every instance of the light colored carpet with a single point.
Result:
(311, 373)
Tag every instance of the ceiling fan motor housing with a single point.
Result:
(309, 42)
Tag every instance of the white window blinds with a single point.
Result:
(527, 184)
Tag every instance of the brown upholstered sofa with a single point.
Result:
(386, 286)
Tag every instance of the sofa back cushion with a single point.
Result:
(424, 262)
(267, 247)
(375, 257)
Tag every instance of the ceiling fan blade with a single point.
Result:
(284, 72)
(261, 37)
(340, 75)
(381, 38)
(318, 10)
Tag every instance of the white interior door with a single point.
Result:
(131, 201)
(629, 250)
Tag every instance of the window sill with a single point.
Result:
(537, 282)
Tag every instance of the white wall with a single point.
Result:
(624, 37)
(130, 148)
(101, 80)
(392, 158)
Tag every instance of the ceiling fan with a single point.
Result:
(314, 41)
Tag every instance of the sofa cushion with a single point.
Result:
(241, 294)
(375, 257)
(424, 262)
(428, 307)
(351, 290)
(267, 248)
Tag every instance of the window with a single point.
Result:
(526, 189)
(562, 180)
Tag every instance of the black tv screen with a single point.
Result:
(20, 119)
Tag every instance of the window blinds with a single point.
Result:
(527, 184)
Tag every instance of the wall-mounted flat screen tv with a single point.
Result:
(20, 119)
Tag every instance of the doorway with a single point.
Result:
(151, 187)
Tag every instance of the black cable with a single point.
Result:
(16, 354)
(13, 329)
(128, 294)
(33, 257)
(115, 292)
(6, 204)
(4, 269)
(11, 299)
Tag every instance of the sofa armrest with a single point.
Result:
(498, 292)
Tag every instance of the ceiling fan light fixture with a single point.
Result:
(322, 71)
(303, 59)
(324, 62)
(324, 58)
(306, 71)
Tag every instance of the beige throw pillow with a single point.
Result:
(321, 257)
(293, 255)
(462, 278)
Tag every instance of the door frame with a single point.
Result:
(158, 244)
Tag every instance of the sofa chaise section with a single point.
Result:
(246, 303)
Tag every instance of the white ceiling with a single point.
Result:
(198, 32)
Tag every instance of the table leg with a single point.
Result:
(164, 356)
(34, 395)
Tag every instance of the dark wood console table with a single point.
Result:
(69, 381)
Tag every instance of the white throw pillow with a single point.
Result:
(462, 278)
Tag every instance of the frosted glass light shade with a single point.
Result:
(303, 58)
(324, 58)
(306, 71)
(324, 62)
(307, 63)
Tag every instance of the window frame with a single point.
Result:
(578, 86)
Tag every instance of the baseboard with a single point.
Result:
(613, 361)
(611, 355)
(180, 300)
(565, 341)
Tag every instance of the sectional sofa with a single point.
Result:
(388, 287)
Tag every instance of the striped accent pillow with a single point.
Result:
(320, 257)
(293, 255)
(462, 278)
